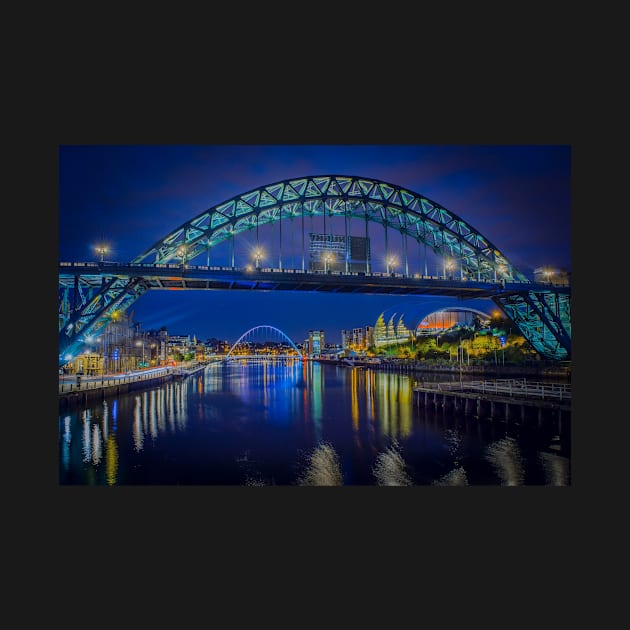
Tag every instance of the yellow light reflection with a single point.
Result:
(138, 434)
(111, 460)
(354, 400)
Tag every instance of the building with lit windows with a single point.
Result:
(554, 276)
(330, 252)
(346, 339)
(315, 343)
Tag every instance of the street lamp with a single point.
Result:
(101, 250)
(449, 268)
(391, 263)
(182, 253)
(328, 258)
(258, 254)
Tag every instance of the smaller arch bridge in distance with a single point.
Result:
(248, 345)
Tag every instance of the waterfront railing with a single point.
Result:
(517, 388)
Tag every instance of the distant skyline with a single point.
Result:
(132, 196)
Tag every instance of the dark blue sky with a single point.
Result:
(518, 197)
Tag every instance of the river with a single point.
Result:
(300, 423)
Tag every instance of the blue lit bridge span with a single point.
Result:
(263, 342)
(401, 235)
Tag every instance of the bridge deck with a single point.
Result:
(172, 276)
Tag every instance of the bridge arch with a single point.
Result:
(407, 212)
(542, 315)
(281, 335)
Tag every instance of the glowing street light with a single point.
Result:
(328, 258)
(449, 267)
(181, 252)
(258, 255)
(101, 250)
(391, 263)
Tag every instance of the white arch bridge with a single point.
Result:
(263, 342)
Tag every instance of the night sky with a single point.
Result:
(129, 197)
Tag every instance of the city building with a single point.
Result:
(315, 343)
(554, 276)
(112, 351)
(330, 252)
(399, 325)
(346, 339)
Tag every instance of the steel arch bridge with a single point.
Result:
(88, 301)
(249, 336)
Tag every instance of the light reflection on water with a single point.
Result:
(296, 423)
(557, 469)
(505, 456)
(390, 468)
(456, 477)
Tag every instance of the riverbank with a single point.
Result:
(110, 386)
(561, 371)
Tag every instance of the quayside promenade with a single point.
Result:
(560, 370)
(506, 399)
(74, 390)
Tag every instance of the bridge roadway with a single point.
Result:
(175, 276)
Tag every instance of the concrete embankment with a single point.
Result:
(88, 392)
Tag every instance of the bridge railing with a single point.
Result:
(249, 269)
(66, 385)
(521, 388)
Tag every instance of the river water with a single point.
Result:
(300, 423)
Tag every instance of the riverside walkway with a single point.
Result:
(498, 398)
(82, 389)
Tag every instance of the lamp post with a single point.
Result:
(328, 258)
(258, 254)
(101, 250)
(391, 263)
(182, 254)
(449, 269)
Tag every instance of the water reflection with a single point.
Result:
(87, 437)
(556, 469)
(138, 432)
(456, 477)
(111, 460)
(316, 388)
(65, 443)
(322, 467)
(249, 424)
(96, 445)
(393, 395)
(390, 468)
(505, 457)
